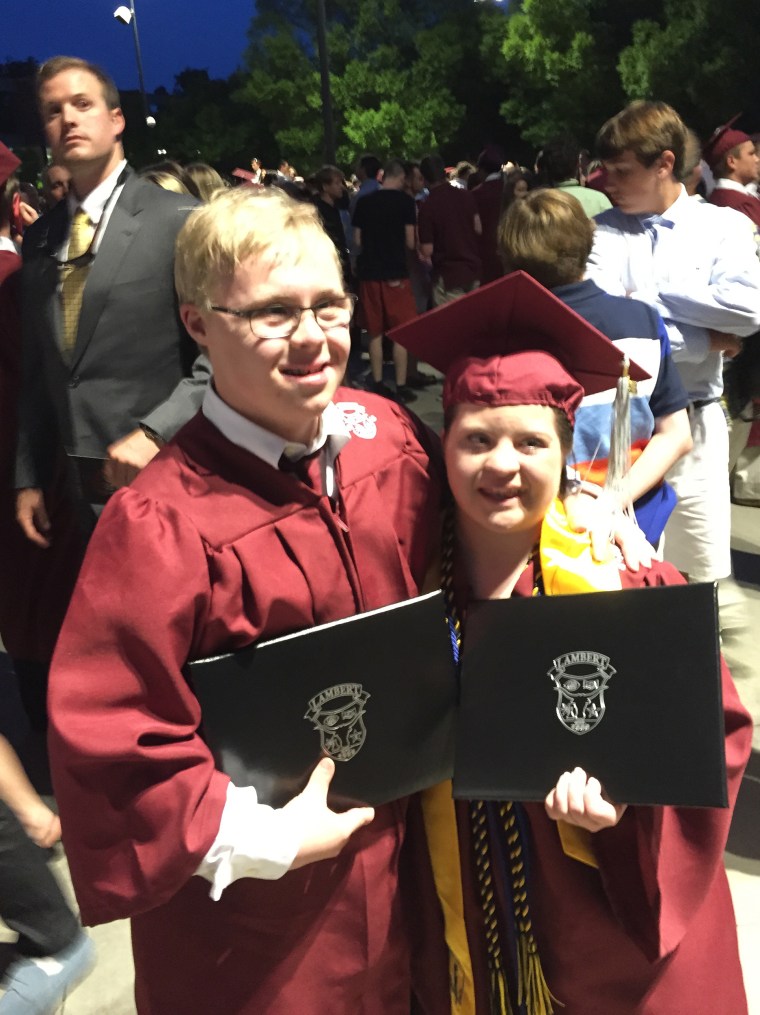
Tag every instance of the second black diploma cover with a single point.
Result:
(625, 685)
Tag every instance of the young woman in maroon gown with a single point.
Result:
(627, 908)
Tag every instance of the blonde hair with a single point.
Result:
(206, 179)
(647, 129)
(238, 224)
(165, 180)
(549, 235)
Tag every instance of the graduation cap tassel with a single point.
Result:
(617, 484)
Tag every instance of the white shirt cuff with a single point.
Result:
(254, 841)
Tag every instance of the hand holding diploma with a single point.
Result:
(580, 800)
(325, 832)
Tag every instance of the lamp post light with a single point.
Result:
(127, 16)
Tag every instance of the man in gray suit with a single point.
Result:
(109, 373)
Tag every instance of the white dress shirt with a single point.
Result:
(696, 265)
(98, 204)
(255, 840)
(333, 436)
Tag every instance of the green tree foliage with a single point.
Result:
(282, 91)
(388, 107)
(409, 76)
(560, 61)
(201, 121)
(571, 64)
(405, 77)
(698, 56)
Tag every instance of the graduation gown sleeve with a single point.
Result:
(652, 930)
(128, 760)
(746, 204)
(673, 876)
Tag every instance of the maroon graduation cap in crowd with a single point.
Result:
(722, 140)
(8, 164)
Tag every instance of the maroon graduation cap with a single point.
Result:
(722, 140)
(8, 164)
(513, 342)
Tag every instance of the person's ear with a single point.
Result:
(666, 162)
(117, 119)
(195, 323)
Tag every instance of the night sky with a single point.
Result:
(174, 35)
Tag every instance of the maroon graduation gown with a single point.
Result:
(488, 197)
(652, 930)
(209, 550)
(747, 204)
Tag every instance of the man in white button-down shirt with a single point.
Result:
(696, 265)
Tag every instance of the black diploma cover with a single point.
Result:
(624, 684)
(376, 692)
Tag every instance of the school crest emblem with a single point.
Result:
(357, 420)
(580, 679)
(338, 714)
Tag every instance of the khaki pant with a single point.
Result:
(442, 295)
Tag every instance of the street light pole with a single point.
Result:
(324, 76)
(128, 16)
(138, 55)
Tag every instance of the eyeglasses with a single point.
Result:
(280, 321)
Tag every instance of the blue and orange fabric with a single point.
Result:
(639, 331)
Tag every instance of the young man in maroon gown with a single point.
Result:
(731, 155)
(284, 503)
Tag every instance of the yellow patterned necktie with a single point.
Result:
(75, 276)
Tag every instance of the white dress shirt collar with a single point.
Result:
(96, 201)
(6, 243)
(266, 445)
(680, 207)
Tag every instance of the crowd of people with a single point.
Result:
(196, 456)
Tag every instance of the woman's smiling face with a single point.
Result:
(504, 466)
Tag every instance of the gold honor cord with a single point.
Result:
(532, 989)
(499, 993)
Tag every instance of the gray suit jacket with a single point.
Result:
(132, 362)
